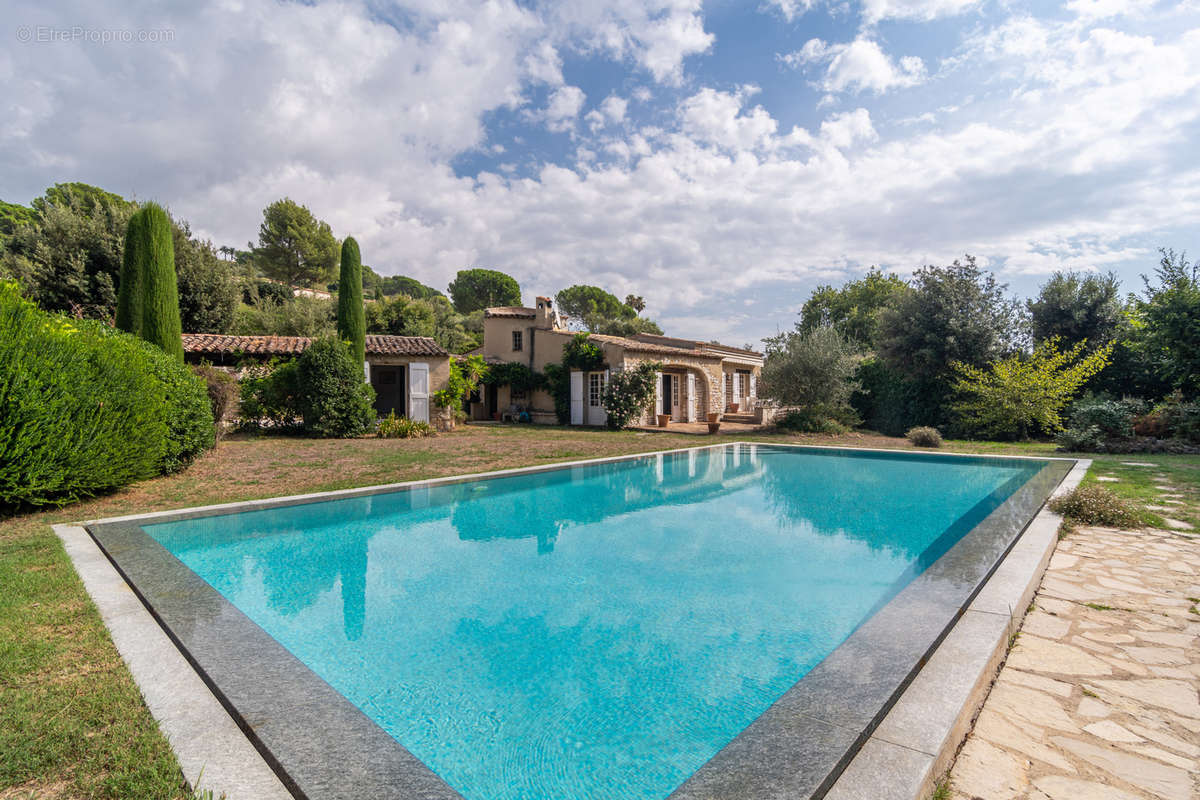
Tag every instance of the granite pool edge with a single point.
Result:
(914, 746)
(417, 780)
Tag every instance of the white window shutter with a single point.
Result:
(658, 398)
(577, 389)
(753, 386)
(418, 391)
(691, 397)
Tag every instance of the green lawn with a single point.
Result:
(72, 723)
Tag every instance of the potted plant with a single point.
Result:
(714, 416)
(733, 407)
(713, 426)
(663, 419)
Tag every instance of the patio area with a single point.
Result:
(1098, 698)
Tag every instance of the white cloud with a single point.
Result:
(923, 10)
(860, 65)
(657, 34)
(563, 108)
(1078, 140)
(712, 117)
(788, 9)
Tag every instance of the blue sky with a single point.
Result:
(720, 159)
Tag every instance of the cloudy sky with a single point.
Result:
(720, 158)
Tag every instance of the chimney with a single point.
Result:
(546, 319)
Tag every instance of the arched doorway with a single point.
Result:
(682, 392)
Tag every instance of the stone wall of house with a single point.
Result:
(709, 387)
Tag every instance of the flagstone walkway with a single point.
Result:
(1100, 697)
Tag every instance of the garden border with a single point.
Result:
(370, 763)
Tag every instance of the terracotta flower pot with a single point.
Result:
(733, 407)
(663, 419)
(714, 416)
(713, 427)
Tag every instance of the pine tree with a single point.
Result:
(160, 292)
(351, 319)
(129, 292)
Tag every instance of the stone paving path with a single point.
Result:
(1100, 696)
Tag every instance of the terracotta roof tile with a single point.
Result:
(220, 344)
(635, 346)
(520, 312)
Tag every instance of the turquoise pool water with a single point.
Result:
(598, 631)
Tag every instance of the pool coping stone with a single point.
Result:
(291, 715)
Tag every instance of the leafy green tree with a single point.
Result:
(1077, 306)
(582, 301)
(295, 247)
(352, 325)
(1171, 312)
(297, 316)
(1019, 396)
(376, 286)
(621, 327)
(854, 308)
(402, 316)
(451, 329)
(84, 196)
(953, 314)
(813, 370)
(12, 217)
(69, 258)
(155, 259)
(208, 288)
(477, 289)
(635, 302)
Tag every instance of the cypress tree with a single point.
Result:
(351, 319)
(129, 292)
(160, 289)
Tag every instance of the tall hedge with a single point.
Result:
(148, 298)
(85, 408)
(81, 410)
(351, 318)
(129, 291)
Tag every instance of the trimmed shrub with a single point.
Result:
(1182, 419)
(129, 291)
(924, 436)
(81, 408)
(1094, 505)
(333, 399)
(1113, 418)
(351, 317)
(393, 427)
(190, 426)
(222, 391)
(160, 323)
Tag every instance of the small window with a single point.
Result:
(516, 340)
(595, 389)
(515, 395)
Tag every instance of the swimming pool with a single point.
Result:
(597, 631)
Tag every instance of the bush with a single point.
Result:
(924, 436)
(810, 420)
(1094, 505)
(81, 408)
(558, 384)
(1113, 418)
(628, 393)
(351, 319)
(270, 397)
(393, 427)
(333, 399)
(222, 391)
(1181, 419)
(891, 402)
(190, 426)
